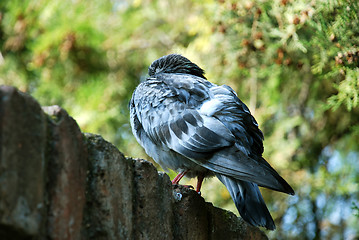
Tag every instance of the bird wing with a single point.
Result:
(193, 135)
(169, 116)
(209, 125)
(235, 115)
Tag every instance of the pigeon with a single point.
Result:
(200, 129)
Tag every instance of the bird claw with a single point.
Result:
(188, 186)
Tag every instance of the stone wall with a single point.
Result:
(57, 183)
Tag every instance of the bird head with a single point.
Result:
(174, 63)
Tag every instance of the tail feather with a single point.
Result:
(236, 164)
(249, 201)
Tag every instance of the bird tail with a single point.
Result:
(249, 201)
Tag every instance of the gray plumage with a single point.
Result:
(185, 122)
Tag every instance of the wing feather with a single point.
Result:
(207, 124)
(198, 139)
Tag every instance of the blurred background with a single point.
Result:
(294, 63)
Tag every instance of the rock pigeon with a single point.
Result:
(200, 129)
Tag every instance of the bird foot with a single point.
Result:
(186, 186)
(190, 187)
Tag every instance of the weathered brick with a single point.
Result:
(109, 192)
(67, 164)
(22, 164)
(56, 183)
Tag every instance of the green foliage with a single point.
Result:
(299, 62)
(295, 64)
